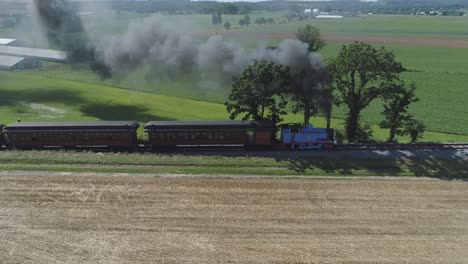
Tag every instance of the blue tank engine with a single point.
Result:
(294, 136)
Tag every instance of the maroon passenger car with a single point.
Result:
(209, 133)
(2, 139)
(112, 134)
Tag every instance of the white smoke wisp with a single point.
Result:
(150, 42)
(231, 56)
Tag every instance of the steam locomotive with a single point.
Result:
(123, 135)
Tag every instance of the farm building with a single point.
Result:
(310, 11)
(36, 54)
(6, 41)
(12, 63)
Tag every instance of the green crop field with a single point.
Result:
(32, 98)
(374, 25)
(77, 94)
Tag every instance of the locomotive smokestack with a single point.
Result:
(328, 120)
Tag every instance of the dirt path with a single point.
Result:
(432, 42)
(149, 219)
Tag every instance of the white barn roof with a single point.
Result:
(6, 41)
(42, 54)
(329, 16)
(9, 61)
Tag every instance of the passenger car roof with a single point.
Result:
(73, 125)
(229, 124)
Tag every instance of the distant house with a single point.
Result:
(310, 11)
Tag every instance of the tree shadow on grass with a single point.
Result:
(343, 167)
(440, 168)
(447, 164)
(100, 111)
(120, 112)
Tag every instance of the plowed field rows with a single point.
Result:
(67, 218)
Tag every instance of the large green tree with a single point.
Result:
(219, 15)
(310, 93)
(398, 98)
(309, 88)
(360, 74)
(259, 93)
(312, 37)
(415, 129)
(247, 20)
(214, 20)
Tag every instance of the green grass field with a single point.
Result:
(60, 92)
(31, 97)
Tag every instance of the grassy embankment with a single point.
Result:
(235, 165)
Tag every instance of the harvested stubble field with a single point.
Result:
(86, 218)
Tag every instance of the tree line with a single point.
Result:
(447, 7)
(357, 76)
(217, 20)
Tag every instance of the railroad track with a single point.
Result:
(391, 146)
(358, 146)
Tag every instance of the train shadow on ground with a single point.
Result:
(433, 168)
(447, 164)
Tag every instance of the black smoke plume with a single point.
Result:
(64, 30)
(155, 42)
